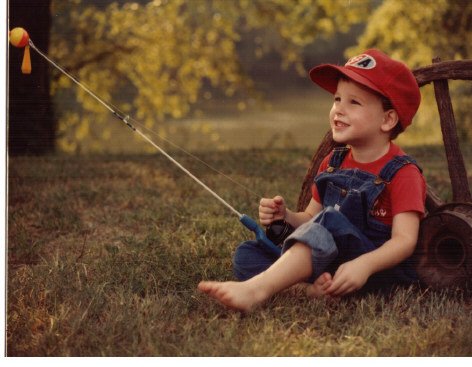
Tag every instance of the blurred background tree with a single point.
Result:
(160, 60)
(415, 32)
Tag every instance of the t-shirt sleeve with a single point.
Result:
(408, 191)
(323, 166)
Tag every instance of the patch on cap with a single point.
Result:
(363, 61)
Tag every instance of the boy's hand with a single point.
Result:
(349, 277)
(271, 210)
(353, 274)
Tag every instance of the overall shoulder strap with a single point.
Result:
(394, 165)
(338, 156)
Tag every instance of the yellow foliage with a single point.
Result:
(157, 56)
(155, 60)
(415, 31)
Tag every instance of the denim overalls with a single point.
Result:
(343, 230)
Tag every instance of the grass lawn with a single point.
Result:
(105, 252)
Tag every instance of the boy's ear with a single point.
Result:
(390, 120)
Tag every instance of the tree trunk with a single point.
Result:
(31, 124)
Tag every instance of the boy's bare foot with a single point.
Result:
(235, 295)
(318, 288)
(299, 289)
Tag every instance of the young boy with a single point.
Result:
(361, 226)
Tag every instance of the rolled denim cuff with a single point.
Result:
(321, 242)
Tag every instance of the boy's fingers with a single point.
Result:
(266, 219)
(336, 284)
(268, 205)
(267, 210)
(326, 285)
(279, 200)
(340, 287)
(331, 289)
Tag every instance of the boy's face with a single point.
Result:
(357, 115)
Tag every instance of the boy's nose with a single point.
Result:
(338, 109)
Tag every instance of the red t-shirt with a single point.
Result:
(406, 192)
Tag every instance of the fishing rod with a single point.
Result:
(20, 38)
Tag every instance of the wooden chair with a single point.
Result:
(444, 249)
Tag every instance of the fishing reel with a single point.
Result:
(278, 231)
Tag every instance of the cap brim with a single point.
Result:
(327, 76)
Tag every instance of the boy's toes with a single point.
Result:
(205, 287)
(324, 279)
(317, 289)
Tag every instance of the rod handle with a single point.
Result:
(252, 225)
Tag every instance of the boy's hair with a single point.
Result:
(390, 78)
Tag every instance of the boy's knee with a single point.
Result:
(319, 240)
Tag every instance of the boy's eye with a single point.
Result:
(337, 99)
(353, 101)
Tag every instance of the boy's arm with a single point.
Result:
(295, 219)
(275, 209)
(353, 274)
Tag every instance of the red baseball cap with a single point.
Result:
(377, 71)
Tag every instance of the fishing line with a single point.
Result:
(113, 109)
(126, 120)
(193, 156)
(244, 219)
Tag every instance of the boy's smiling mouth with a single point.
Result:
(340, 124)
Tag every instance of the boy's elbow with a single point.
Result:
(411, 248)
